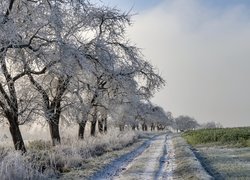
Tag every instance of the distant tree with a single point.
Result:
(162, 119)
(183, 123)
(210, 125)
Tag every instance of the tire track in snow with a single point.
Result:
(167, 161)
(162, 161)
(118, 165)
(156, 162)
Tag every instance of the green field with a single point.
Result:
(238, 137)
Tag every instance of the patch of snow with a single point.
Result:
(118, 165)
(154, 159)
(167, 160)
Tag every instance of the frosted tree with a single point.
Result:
(57, 44)
(34, 31)
(15, 100)
(183, 123)
(160, 118)
(117, 64)
(211, 125)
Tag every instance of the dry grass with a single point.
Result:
(43, 161)
(98, 163)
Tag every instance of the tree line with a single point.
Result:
(71, 59)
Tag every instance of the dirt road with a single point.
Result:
(152, 160)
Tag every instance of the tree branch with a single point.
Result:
(9, 8)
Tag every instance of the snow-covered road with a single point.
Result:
(154, 159)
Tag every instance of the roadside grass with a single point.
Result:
(97, 163)
(235, 137)
(186, 164)
(42, 161)
(224, 152)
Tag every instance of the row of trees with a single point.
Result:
(71, 59)
(184, 123)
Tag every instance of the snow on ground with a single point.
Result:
(167, 160)
(119, 164)
(163, 156)
(226, 163)
(187, 164)
(154, 159)
(147, 164)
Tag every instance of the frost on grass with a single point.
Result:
(15, 166)
(187, 165)
(226, 163)
(43, 161)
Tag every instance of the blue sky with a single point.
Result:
(139, 5)
(201, 48)
(225, 3)
(136, 5)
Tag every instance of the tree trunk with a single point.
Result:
(144, 127)
(54, 132)
(93, 127)
(101, 125)
(93, 122)
(121, 127)
(10, 97)
(105, 125)
(81, 130)
(16, 135)
(152, 127)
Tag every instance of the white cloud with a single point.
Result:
(203, 54)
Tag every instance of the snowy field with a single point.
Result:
(226, 163)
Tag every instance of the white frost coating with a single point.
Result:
(169, 165)
(153, 155)
(147, 164)
(155, 160)
(116, 166)
(153, 163)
